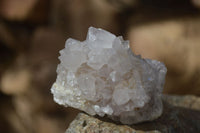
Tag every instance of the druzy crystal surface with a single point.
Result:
(102, 76)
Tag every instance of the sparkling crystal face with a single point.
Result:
(101, 75)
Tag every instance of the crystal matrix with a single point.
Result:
(101, 75)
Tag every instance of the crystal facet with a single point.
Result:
(101, 75)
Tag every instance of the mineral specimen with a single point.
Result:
(101, 75)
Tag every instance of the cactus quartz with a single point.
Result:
(102, 76)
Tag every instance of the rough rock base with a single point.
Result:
(180, 115)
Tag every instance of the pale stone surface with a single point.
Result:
(187, 101)
(87, 124)
(101, 75)
(175, 119)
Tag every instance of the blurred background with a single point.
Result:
(33, 31)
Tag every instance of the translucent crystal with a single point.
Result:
(101, 75)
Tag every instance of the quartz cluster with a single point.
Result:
(101, 75)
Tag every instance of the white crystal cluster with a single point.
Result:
(101, 75)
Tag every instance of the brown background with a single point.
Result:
(33, 31)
